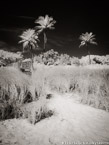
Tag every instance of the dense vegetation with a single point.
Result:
(26, 96)
(52, 57)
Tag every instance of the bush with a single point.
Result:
(95, 59)
(10, 57)
(47, 58)
(64, 59)
(75, 61)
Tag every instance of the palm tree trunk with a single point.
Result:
(89, 56)
(32, 60)
(45, 41)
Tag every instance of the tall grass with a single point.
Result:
(22, 96)
(93, 86)
(14, 85)
(14, 88)
(26, 96)
(90, 83)
(35, 111)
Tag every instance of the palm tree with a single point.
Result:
(29, 40)
(44, 23)
(86, 39)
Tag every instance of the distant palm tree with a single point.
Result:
(44, 24)
(86, 39)
(29, 40)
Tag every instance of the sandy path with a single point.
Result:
(72, 123)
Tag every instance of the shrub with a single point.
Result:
(10, 57)
(64, 59)
(47, 58)
(95, 59)
(75, 61)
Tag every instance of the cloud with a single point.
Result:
(25, 17)
(12, 29)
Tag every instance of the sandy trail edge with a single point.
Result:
(72, 123)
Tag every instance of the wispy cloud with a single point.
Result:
(25, 17)
(12, 29)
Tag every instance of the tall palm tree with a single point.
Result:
(29, 40)
(86, 39)
(44, 23)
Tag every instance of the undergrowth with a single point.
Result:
(24, 96)
(91, 84)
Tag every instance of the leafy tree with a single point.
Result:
(44, 23)
(29, 40)
(65, 59)
(86, 39)
(48, 57)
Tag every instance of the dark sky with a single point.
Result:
(73, 18)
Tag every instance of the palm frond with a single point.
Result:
(82, 43)
(22, 41)
(39, 27)
(29, 38)
(27, 34)
(46, 20)
(51, 28)
(87, 38)
(51, 24)
(33, 45)
(36, 37)
(40, 20)
(93, 42)
(25, 44)
(44, 23)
